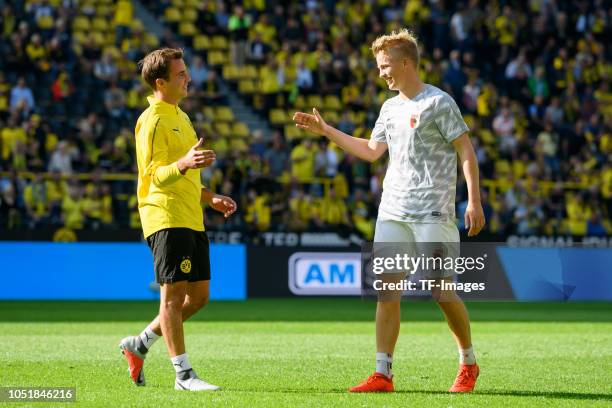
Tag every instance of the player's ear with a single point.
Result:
(159, 82)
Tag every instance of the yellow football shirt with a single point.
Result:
(166, 198)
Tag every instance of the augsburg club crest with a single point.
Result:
(414, 120)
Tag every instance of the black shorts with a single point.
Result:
(180, 254)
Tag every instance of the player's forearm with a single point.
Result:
(353, 145)
(166, 175)
(469, 165)
(206, 195)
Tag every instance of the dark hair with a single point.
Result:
(156, 64)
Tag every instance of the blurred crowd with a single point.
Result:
(531, 78)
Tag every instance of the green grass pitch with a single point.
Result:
(306, 352)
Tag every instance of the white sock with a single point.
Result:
(466, 356)
(384, 361)
(181, 366)
(148, 337)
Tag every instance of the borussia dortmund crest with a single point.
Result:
(186, 265)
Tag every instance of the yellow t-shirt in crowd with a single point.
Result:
(73, 212)
(124, 13)
(333, 211)
(166, 198)
(9, 137)
(302, 162)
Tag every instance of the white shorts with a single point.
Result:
(398, 231)
(418, 240)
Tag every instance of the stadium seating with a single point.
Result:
(567, 141)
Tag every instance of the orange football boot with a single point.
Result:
(466, 378)
(134, 358)
(377, 382)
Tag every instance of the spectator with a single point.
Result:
(198, 72)
(454, 77)
(276, 157)
(320, 159)
(471, 91)
(122, 20)
(537, 111)
(538, 86)
(36, 201)
(62, 89)
(10, 214)
(22, 98)
(105, 69)
(115, 102)
(206, 18)
(221, 16)
(62, 157)
(10, 135)
(304, 79)
(504, 126)
(554, 113)
(595, 226)
(333, 210)
(346, 124)
(258, 146)
(238, 26)
(302, 160)
(258, 50)
(73, 208)
(459, 30)
(548, 142)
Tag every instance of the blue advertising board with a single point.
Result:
(104, 271)
(542, 274)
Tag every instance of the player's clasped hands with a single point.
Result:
(195, 158)
(313, 123)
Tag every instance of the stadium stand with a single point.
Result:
(532, 82)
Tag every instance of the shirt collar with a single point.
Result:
(161, 106)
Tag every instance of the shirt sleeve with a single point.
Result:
(378, 133)
(449, 120)
(161, 172)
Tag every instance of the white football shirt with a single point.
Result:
(421, 178)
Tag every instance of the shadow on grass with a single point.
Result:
(507, 393)
(519, 393)
(299, 310)
(550, 394)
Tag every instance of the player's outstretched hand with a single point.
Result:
(313, 123)
(474, 219)
(195, 158)
(223, 204)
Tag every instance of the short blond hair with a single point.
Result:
(156, 64)
(401, 43)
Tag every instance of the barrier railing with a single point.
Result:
(493, 186)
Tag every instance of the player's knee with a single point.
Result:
(198, 303)
(201, 302)
(445, 296)
(172, 304)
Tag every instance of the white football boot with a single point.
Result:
(194, 384)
